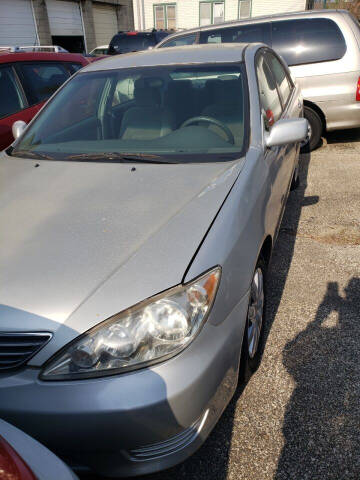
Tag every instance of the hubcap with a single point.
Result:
(308, 138)
(255, 313)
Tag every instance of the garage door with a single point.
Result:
(17, 26)
(64, 18)
(105, 21)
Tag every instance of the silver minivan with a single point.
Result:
(321, 47)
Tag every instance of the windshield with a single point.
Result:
(173, 113)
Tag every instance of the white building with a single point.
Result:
(180, 14)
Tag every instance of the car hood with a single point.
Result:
(82, 241)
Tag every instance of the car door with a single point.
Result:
(274, 157)
(291, 108)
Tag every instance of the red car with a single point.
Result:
(27, 80)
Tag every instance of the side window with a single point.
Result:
(257, 32)
(179, 41)
(211, 37)
(211, 12)
(283, 82)
(41, 80)
(270, 103)
(165, 16)
(11, 100)
(308, 40)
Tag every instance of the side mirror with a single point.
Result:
(17, 128)
(290, 130)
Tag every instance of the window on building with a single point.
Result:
(165, 16)
(171, 17)
(211, 12)
(244, 8)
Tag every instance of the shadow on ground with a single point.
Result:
(322, 420)
(343, 136)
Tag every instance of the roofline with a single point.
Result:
(163, 57)
(251, 20)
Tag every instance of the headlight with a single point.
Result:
(147, 333)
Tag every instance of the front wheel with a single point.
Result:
(315, 130)
(254, 328)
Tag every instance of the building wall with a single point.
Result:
(187, 11)
(87, 13)
(42, 22)
(124, 14)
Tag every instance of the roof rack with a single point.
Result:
(34, 48)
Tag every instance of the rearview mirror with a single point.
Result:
(17, 128)
(289, 130)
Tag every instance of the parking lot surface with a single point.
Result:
(299, 416)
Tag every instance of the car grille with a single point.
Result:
(17, 348)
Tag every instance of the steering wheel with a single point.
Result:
(212, 121)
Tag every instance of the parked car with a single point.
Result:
(23, 458)
(139, 230)
(27, 80)
(321, 47)
(125, 42)
(100, 51)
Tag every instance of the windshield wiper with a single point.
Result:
(29, 153)
(121, 157)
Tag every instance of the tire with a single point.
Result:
(251, 356)
(316, 127)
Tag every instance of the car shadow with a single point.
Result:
(343, 136)
(322, 419)
(284, 247)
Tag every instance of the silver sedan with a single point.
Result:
(139, 212)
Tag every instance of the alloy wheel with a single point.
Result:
(308, 137)
(255, 312)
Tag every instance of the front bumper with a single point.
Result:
(138, 422)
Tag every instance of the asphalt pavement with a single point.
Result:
(298, 418)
